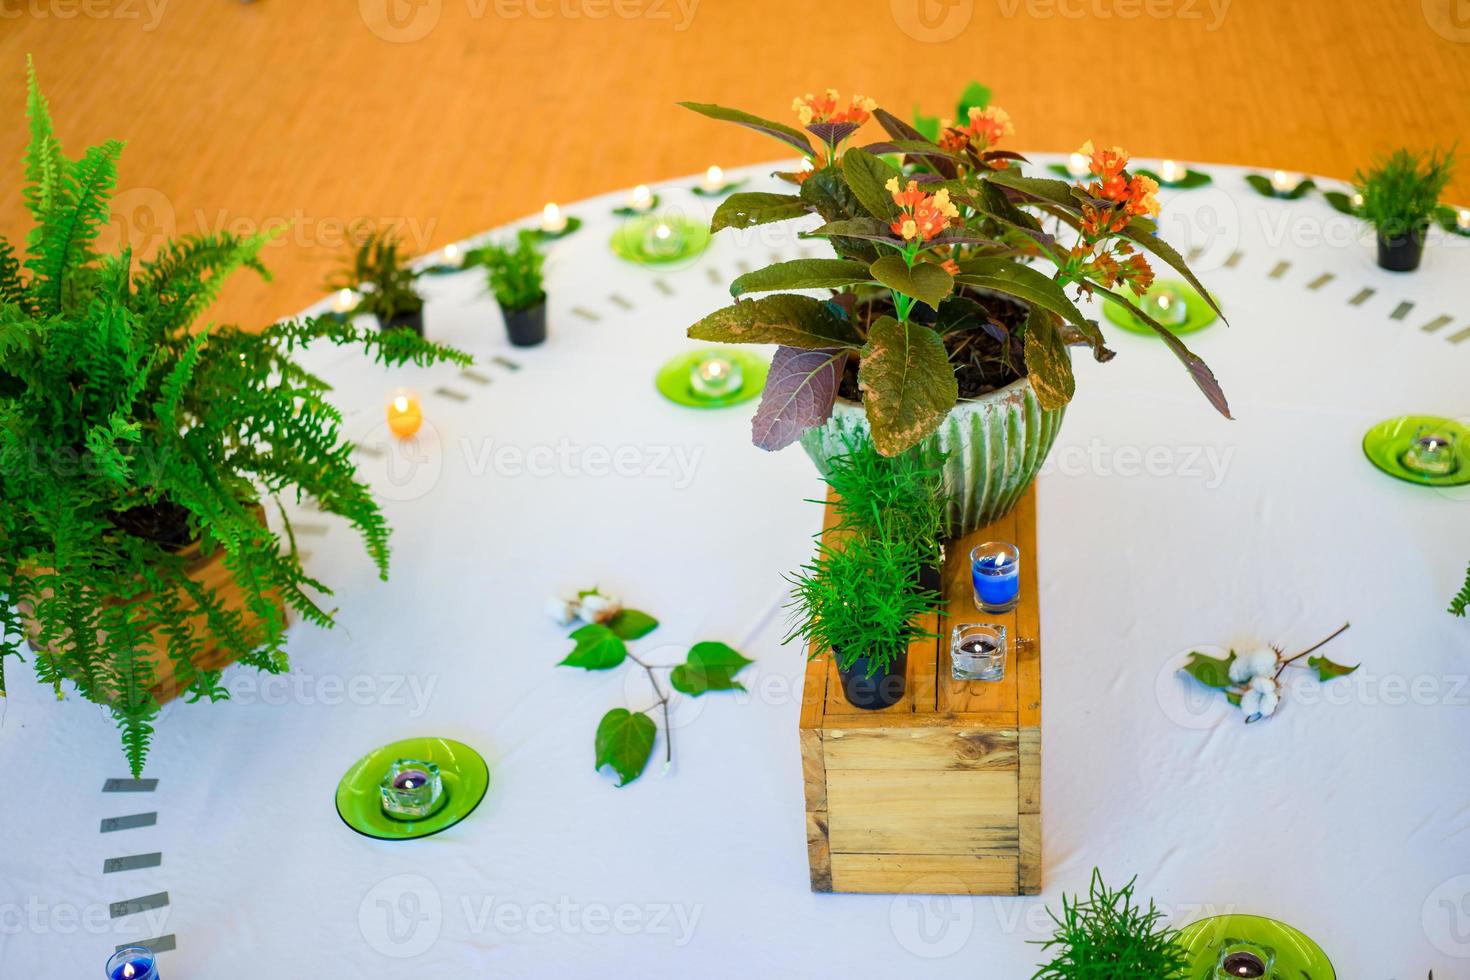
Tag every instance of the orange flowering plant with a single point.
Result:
(951, 273)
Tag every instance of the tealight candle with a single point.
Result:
(552, 220)
(1462, 219)
(1167, 305)
(451, 255)
(715, 376)
(1171, 172)
(344, 301)
(641, 198)
(132, 963)
(663, 240)
(411, 790)
(977, 652)
(405, 416)
(1078, 165)
(995, 569)
(714, 180)
(1284, 183)
(1244, 959)
(1432, 454)
(1358, 201)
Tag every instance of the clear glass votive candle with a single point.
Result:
(977, 652)
(995, 568)
(132, 963)
(1239, 958)
(412, 789)
(1431, 453)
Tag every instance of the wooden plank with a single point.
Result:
(927, 747)
(925, 874)
(1028, 872)
(818, 852)
(1025, 652)
(898, 811)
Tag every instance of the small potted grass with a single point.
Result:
(388, 287)
(1400, 195)
(514, 274)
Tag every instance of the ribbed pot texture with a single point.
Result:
(996, 444)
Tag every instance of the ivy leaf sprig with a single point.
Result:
(624, 739)
(1252, 681)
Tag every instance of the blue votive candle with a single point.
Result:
(995, 568)
(132, 963)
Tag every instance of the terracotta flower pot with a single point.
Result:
(996, 445)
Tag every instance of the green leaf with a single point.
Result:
(756, 208)
(780, 131)
(975, 95)
(867, 176)
(1057, 192)
(1327, 670)
(625, 741)
(1210, 671)
(1026, 284)
(925, 281)
(710, 667)
(598, 648)
(632, 624)
(1341, 202)
(795, 321)
(907, 381)
(1204, 378)
(802, 274)
(1047, 361)
(927, 126)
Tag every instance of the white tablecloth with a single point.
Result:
(1162, 527)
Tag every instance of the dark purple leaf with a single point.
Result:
(900, 130)
(800, 391)
(1198, 369)
(865, 228)
(782, 132)
(832, 133)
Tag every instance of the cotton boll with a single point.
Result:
(1253, 663)
(1250, 703)
(561, 611)
(599, 608)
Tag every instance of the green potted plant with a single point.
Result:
(515, 278)
(1109, 936)
(901, 495)
(386, 284)
(949, 322)
(1400, 196)
(1461, 602)
(136, 454)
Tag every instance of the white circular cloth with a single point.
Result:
(1163, 528)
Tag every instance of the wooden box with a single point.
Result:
(941, 793)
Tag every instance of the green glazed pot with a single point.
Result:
(996, 444)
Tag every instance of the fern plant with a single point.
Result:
(1461, 601)
(126, 435)
(514, 272)
(387, 284)
(1401, 192)
(1110, 936)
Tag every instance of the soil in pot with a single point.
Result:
(526, 328)
(881, 690)
(983, 361)
(407, 320)
(1401, 254)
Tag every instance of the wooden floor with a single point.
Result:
(454, 115)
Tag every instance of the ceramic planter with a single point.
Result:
(409, 320)
(526, 328)
(996, 444)
(883, 689)
(1401, 254)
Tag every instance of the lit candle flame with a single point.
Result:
(1171, 171)
(641, 198)
(1358, 200)
(662, 230)
(714, 178)
(1284, 183)
(1463, 219)
(343, 301)
(451, 254)
(128, 970)
(1078, 164)
(400, 403)
(552, 219)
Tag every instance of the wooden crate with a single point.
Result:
(941, 793)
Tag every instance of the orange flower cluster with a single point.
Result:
(1136, 195)
(824, 109)
(986, 128)
(924, 215)
(1134, 271)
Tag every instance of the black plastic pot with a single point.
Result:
(882, 690)
(411, 320)
(526, 328)
(929, 579)
(1401, 254)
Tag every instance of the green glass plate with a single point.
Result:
(1297, 957)
(672, 380)
(1386, 442)
(1200, 314)
(466, 778)
(630, 240)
